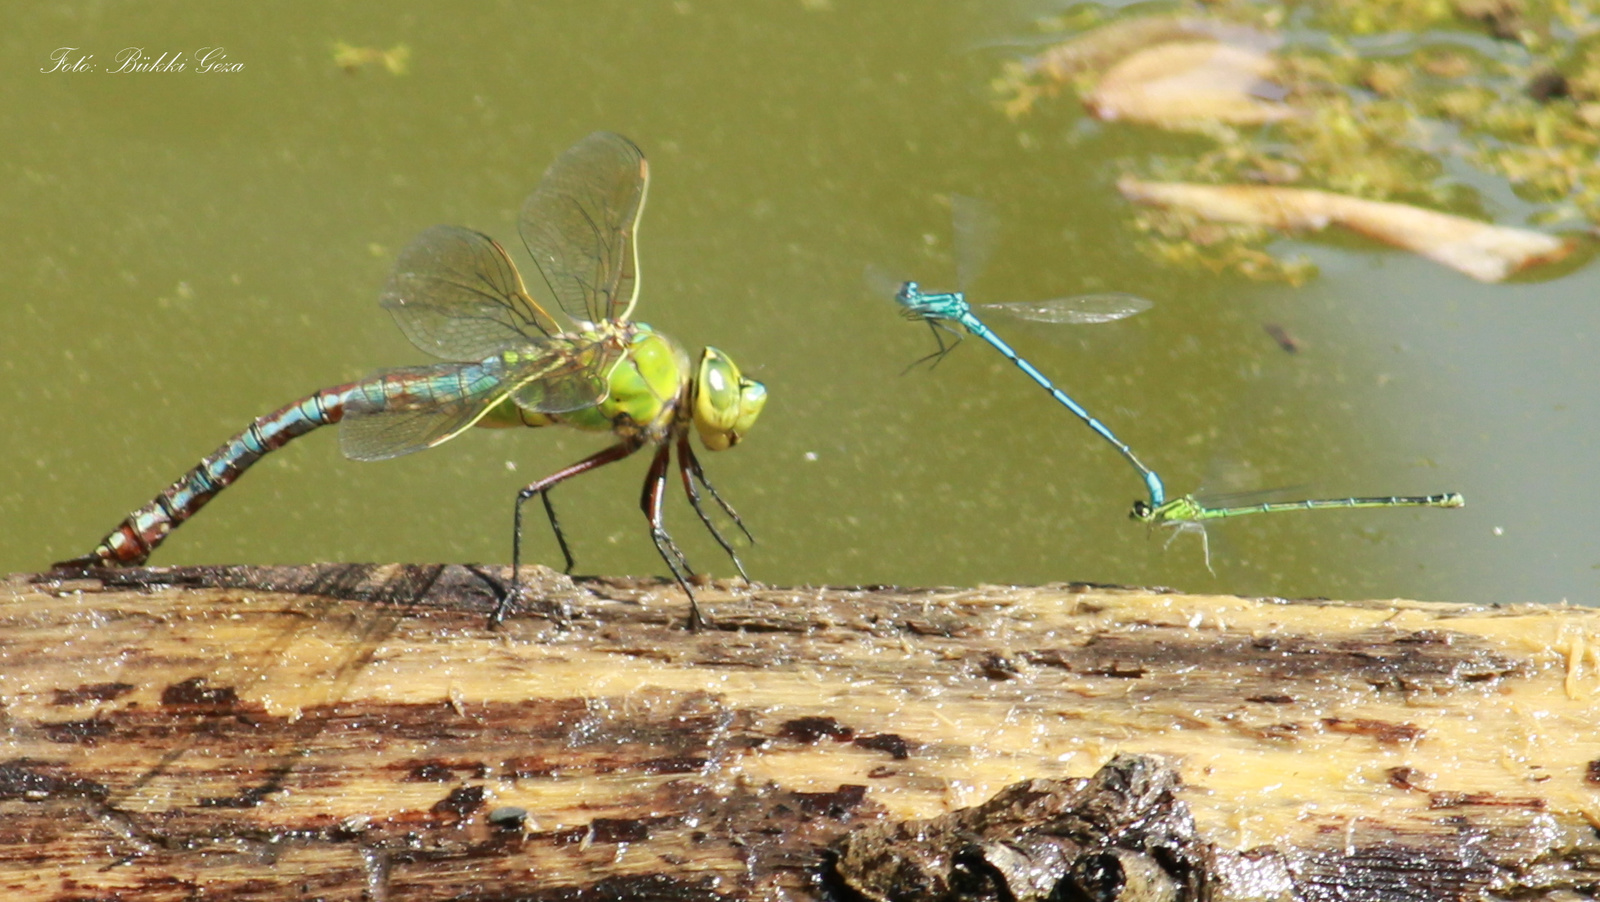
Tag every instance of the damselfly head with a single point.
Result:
(726, 404)
(1141, 511)
(908, 293)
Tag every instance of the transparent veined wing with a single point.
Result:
(881, 282)
(976, 227)
(583, 381)
(456, 295)
(400, 411)
(1079, 309)
(1210, 498)
(581, 226)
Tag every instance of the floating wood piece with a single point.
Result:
(1192, 84)
(1484, 251)
(354, 732)
(1103, 48)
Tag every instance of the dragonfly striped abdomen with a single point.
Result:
(132, 542)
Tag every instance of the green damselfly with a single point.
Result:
(1185, 513)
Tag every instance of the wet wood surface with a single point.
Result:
(355, 732)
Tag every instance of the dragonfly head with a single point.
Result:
(726, 404)
(1141, 511)
(908, 293)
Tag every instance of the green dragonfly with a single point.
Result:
(1187, 514)
(457, 296)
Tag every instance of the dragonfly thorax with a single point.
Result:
(918, 304)
(1169, 513)
(646, 389)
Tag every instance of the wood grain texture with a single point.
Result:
(354, 732)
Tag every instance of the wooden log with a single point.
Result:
(355, 732)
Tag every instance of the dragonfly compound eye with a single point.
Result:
(725, 403)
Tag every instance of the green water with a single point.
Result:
(187, 251)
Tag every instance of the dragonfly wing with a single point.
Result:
(577, 376)
(456, 294)
(581, 226)
(975, 228)
(410, 409)
(1081, 309)
(418, 407)
(1249, 497)
(883, 283)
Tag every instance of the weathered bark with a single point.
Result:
(348, 731)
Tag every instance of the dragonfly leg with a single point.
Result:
(936, 326)
(689, 468)
(651, 502)
(561, 536)
(542, 489)
(496, 587)
(727, 508)
(1205, 540)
